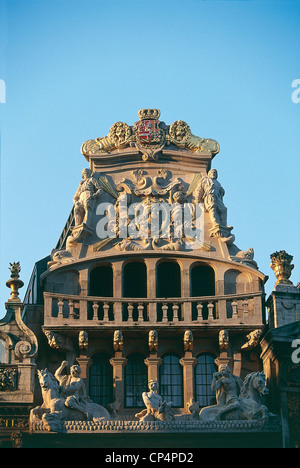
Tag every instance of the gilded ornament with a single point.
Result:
(181, 136)
(281, 264)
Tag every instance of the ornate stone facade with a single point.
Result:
(146, 287)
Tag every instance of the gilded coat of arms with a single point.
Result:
(149, 132)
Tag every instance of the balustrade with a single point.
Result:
(213, 310)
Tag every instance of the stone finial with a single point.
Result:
(281, 264)
(14, 283)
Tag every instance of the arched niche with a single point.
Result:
(236, 282)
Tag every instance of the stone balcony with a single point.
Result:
(214, 311)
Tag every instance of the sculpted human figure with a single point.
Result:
(211, 193)
(227, 387)
(88, 190)
(73, 388)
(156, 407)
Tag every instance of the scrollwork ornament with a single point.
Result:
(23, 349)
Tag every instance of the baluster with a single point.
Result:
(71, 310)
(245, 308)
(175, 312)
(199, 310)
(165, 313)
(234, 306)
(60, 308)
(105, 310)
(95, 310)
(210, 311)
(141, 311)
(130, 312)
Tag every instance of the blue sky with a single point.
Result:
(74, 67)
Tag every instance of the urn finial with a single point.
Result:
(14, 283)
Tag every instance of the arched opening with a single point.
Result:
(168, 285)
(101, 281)
(136, 380)
(134, 286)
(135, 280)
(202, 284)
(204, 370)
(101, 380)
(168, 280)
(171, 380)
(101, 284)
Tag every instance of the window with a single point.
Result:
(136, 381)
(171, 380)
(101, 380)
(204, 371)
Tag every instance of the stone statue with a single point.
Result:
(88, 190)
(73, 388)
(156, 407)
(237, 400)
(65, 399)
(211, 193)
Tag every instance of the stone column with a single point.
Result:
(118, 291)
(153, 363)
(152, 290)
(118, 364)
(186, 292)
(188, 363)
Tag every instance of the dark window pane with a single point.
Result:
(204, 371)
(101, 380)
(171, 380)
(136, 377)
